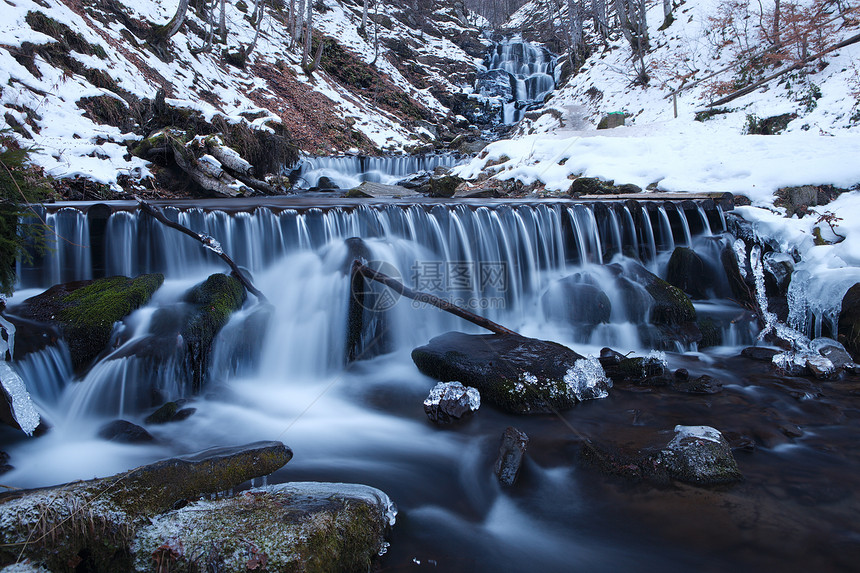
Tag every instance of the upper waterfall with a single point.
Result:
(518, 74)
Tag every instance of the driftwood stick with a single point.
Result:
(360, 268)
(207, 242)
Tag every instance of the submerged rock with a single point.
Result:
(449, 401)
(517, 374)
(85, 311)
(687, 271)
(650, 370)
(699, 455)
(511, 452)
(124, 432)
(759, 353)
(117, 507)
(288, 527)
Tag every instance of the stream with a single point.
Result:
(795, 438)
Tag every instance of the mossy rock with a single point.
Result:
(591, 186)
(671, 306)
(297, 527)
(444, 186)
(712, 333)
(92, 524)
(86, 311)
(215, 300)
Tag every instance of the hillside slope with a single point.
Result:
(83, 86)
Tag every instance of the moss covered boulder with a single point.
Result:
(289, 527)
(85, 311)
(91, 525)
(213, 301)
(517, 374)
(672, 311)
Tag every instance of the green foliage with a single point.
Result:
(19, 184)
(809, 100)
(767, 125)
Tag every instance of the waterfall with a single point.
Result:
(517, 75)
(349, 171)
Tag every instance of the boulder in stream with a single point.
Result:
(512, 450)
(699, 455)
(94, 524)
(124, 432)
(517, 374)
(85, 311)
(688, 272)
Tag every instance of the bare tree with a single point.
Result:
(309, 29)
(776, 23)
(222, 23)
(162, 33)
(600, 19)
(574, 22)
(631, 18)
(364, 16)
(297, 24)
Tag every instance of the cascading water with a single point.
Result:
(349, 171)
(556, 271)
(518, 75)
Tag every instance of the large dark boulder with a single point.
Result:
(213, 300)
(444, 186)
(85, 311)
(517, 374)
(849, 322)
(117, 507)
(688, 272)
(577, 300)
(124, 432)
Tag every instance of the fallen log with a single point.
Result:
(360, 269)
(208, 242)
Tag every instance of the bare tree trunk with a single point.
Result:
(309, 31)
(175, 23)
(598, 16)
(222, 23)
(297, 30)
(259, 12)
(376, 34)
(574, 21)
(776, 23)
(364, 16)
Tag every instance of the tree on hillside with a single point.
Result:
(634, 26)
(309, 28)
(162, 33)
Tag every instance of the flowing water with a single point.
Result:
(348, 171)
(287, 378)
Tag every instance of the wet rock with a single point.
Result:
(628, 188)
(119, 506)
(849, 322)
(124, 432)
(4, 463)
(650, 370)
(449, 401)
(778, 268)
(444, 186)
(517, 374)
(326, 184)
(213, 300)
(699, 455)
(804, 362)
(740, 290)
(702, 385)
(672, 311)
(759, 353)
(688, 272)
(300, 527)
(834, 352)
(169, 412)
(797, 200)
(712, 333)
(371, 189)
(511, 453)
(578, 301)
(85, 311)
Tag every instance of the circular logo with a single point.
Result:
(373, 295)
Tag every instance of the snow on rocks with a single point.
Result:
(699, 455)
(449, 401)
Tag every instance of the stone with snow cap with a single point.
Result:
(699, 455)
(449, 401)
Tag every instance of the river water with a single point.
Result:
(795, 439)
